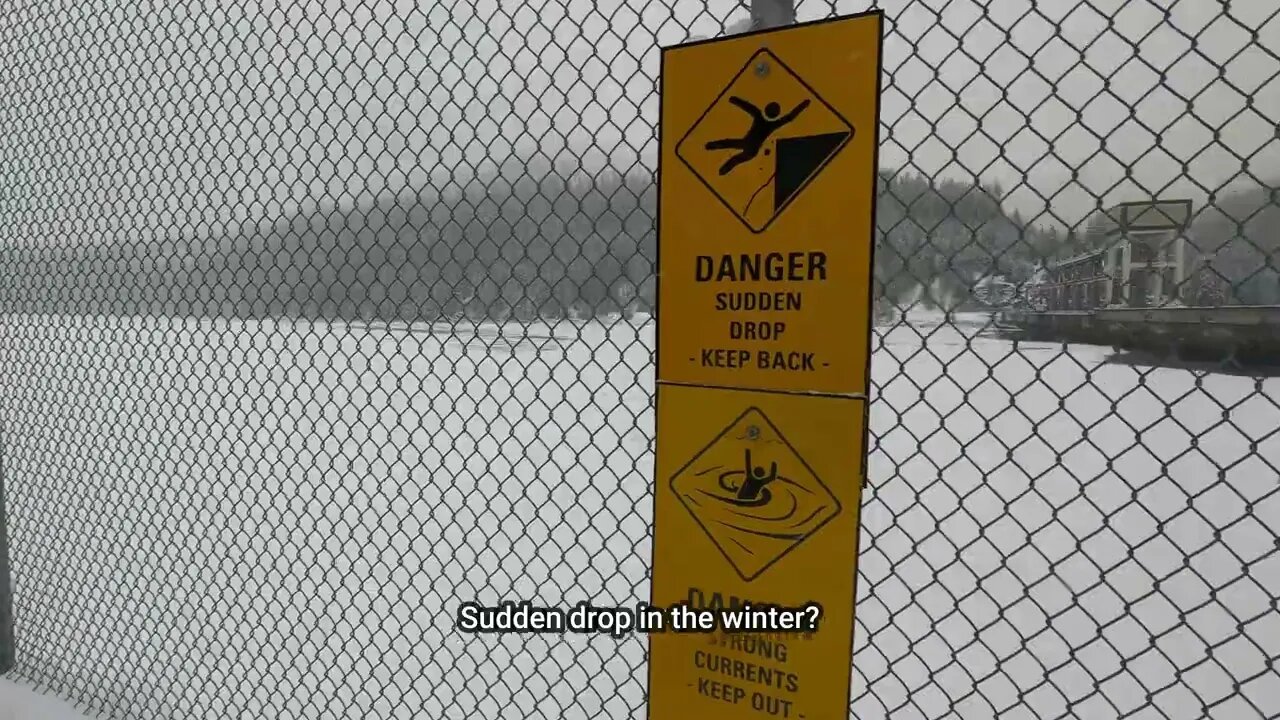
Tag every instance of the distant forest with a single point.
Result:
(1235, 243)
(557, 245)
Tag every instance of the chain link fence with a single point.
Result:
(320, 317)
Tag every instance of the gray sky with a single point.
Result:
(221, 113)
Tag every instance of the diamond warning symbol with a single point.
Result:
(753, 494)
(763, 140)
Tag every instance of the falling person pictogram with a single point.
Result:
(761, 141)
(763, 124)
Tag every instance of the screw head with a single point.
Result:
(762, 68)
(753, 432)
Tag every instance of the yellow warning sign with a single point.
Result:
(767, 187)
(753, 495)
(757, 505)
(763, 140)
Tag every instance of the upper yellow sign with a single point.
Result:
(781, 134)
(767, 188)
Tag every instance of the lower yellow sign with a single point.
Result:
(756, 504)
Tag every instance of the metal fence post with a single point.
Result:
(772, 13)
(6, 585)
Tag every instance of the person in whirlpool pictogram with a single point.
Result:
(763, 124)
(755, 478)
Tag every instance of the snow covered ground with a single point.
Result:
(231, 519)
(20, 701)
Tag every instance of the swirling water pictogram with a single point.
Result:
(756, 500)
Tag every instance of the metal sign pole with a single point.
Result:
(767, 14)
(6, 584)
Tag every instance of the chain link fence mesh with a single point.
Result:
(318, 318)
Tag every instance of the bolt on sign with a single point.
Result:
(767, 188)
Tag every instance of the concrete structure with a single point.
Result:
(1139, 260)
(1144, 256)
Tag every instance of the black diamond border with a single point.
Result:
(753, 409)
(818, 171)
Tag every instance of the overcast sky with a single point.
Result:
(1029, 94)
(215, 112)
